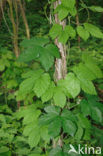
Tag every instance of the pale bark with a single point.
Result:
(24, 19)
(60, 64)
(15, 33)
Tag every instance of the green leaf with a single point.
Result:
(82, 71)
(72, 85)
(27, 85)
(87, 135)
(94, 69)
(70, 31)
(31, 129)
(46, 59)
(85, 124)
(31, 73)
(86, 57)
(28, 128)
(47, 118)
(44, 134)
(62, 84)
(59, 97)
(52, 120)
(92, 108)
(94, 101)
(55, 124)
(34, 137)
(62, 13)
(68, 115)
(69, 127)
(53, 50)
(56, 152)
(11, 84)
(63, 37)
(4, 149)
(40, 41)
(91, 65)
(52, 110)
(83, 33)
(79, 133)
(69, 3)
(66, 33)
(4, 63)
(29, 114)
(55, 31)
(86, 85)
(53, 0)
(85, 108)
(100, 86)
(96, 8)
(83, 121)
(41, 85)
(2, 66)
(35, 154)
(73, 11)
(48, 93)
(96, 114)
(35, 49)
(6, 153)
(31, 53)
(93, 30)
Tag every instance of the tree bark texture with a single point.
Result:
(15, 32)
(60, 64)
(24, 19)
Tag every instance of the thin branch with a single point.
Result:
(5, 19)
(24, 19)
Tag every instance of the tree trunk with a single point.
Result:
(60, 64)
(15, 33)
(24, 19)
